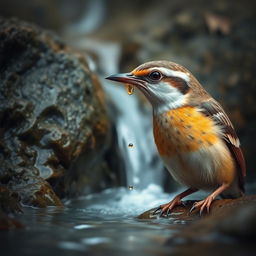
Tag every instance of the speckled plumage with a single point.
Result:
(193, 134)
(183, 129)
(189, 144)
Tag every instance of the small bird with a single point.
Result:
(194, 136)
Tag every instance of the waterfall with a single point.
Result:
(133, 122)
(134, 127)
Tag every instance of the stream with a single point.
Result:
(94, 224)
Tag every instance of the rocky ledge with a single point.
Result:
(231, 222)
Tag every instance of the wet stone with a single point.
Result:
(51, 126)
(219, 208)
(230, 220)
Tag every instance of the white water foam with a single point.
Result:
(123, 202)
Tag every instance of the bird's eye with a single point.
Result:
(155, 75)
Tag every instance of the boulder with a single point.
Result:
(54, 129)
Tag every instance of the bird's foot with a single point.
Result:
(166, 209)
(203, 205)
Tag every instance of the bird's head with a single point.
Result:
(167, 85)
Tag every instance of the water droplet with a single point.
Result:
(130, 187)
(129, 89)
(130, 145)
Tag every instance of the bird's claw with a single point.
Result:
(196, 206)
(202, 205)
(157, 209)
(167, 208)
(168, 212)
(193, 208)
(161, 211)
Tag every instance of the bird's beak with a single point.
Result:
(122, 78)
(127, 78)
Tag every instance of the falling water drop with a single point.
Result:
(130, 187)
(130, 145)
(129, 89)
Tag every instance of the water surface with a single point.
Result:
(97, 224)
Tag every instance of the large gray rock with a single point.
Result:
(54, 127)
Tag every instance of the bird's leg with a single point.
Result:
(206, 203)
(176, 201)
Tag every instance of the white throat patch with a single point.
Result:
(164, 97)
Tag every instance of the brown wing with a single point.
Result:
(213, 109)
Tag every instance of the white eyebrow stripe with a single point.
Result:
(169, 72)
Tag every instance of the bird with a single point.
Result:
(194, 136)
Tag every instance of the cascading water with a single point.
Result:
(135, 139)
(133, 123)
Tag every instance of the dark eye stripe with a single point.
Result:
(179, 83)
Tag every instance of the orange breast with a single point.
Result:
(183, 130)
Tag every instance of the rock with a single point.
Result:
(218, 207)
(230, 221)
(9, 201)
(245, 223)
(179, 213)
(55, 131)
(9, 204)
